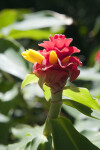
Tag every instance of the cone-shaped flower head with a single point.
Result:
(97, 57)
(54, 64)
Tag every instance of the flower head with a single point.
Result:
(54, 64)
(97, 57)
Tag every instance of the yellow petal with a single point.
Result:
(66, 59)
(26, 56)
(33, 56)
(53, 58)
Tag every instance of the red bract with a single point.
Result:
(58, 65)
(54, 64)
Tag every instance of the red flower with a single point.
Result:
(54, 64)
(97, 57)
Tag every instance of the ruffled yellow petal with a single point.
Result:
(33, 56)
(66, 59)
(53, 58)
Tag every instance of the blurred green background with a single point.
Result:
(24, 24)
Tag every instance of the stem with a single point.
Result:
(55, 106)
(54, 111)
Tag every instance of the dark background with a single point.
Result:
(86, 14)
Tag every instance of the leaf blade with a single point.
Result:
(82, 108)
(30, 78)
(81, 95)
(47, 92)
(72, 139)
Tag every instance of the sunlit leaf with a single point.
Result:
(82, 96)
(37, 20)
(65, 136)
(30, 78)
(71, 111)
(82, 108)
(89, 128)
(87, 124)
(33, 34)
(32, 139)
(11, 60)
(7, 17)
(41, 143)
(20, 131)
(47, 92)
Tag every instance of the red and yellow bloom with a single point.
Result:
(54, 64)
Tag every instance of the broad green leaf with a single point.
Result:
(41, 19)
(95, 138)
(87, 124)
(82, 96)
(90, 129)
(21, 145)
(82, 108)
(33, 34)
(26, 134)
(71, 111)
(47, 92)
(10, 16)
(25, 130)
(11, 60)
(33, 139)
(7, 17)
(41, 143)
(30, 78)
(9, 94)
(65, 136)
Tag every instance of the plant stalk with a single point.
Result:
(54, 111)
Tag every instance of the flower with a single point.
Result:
(97, 57)
(97, 61)
(54, 64)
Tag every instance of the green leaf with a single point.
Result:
(47, 92)
(82, 108)
(23, 130)
(30, 78)
(71, 111)
(33, 139)
(33, 34)
(7, 17)
(65, 136)
(47, 19)
(82, 96)
(95, 138)
(10, 53)
(41, 143)
(90, 129)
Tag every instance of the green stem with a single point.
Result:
(54, 111)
